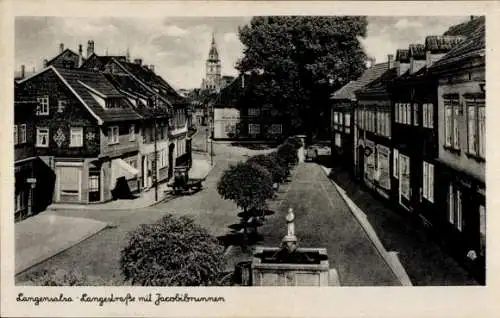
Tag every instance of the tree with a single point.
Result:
(272, 165)
(172, 252)
(247, 185)
(287, 154)
(302, 60)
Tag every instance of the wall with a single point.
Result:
(74, 115)
(25, 114)
(460, 84)
(224, 120)
(124, 145)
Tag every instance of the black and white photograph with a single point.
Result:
(266, 150)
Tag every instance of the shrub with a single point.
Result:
(61, 277)
(295, 141)
(172, 252)
(287, 154)
(272, 165)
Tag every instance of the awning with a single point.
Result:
(119, 168)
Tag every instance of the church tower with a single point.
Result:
(212, 79)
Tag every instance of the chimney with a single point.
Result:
(22, 71)
(61, 47)
(472, 17)
(390, 61)
(138, 61)
(80, 55)
(45, 61)
(90, 48)
(152, 68)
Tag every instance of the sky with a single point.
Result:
(178, 46)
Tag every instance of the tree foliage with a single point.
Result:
(172, 252)
(301, 61)
(61, 277)
(272, 165)
(248, 185)
(287, 154)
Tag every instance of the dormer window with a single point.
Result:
(112, 103)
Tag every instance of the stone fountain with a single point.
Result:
(290, 265)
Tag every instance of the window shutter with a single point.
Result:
(395, 165)
(431, 182)
(425, 179)
(451, 210)
(459, 210)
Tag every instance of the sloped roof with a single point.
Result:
(442, 43)
(379, 85)
(417, 51)
(348, 91)
(150, 78)
(473, 46)
(403, 55)
(60, 54)
(466, 28)
(78, 80)
(127, 84)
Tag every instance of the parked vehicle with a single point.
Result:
(182, 183)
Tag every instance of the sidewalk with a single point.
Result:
(200, 170)
(423, 260)
(324, 220)
(43, 236)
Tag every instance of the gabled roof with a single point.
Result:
(402, 55)
(60, 54)
(369, 75)
(83, 84)
(417, 51)
(466, 28)
(442, 43)
(379, 85)
(473, 46)
(80, 81)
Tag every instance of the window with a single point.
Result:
(253, 112)
(43, 105)
(61, 105)
(452, 111)
(428, 116)
(20, 203)
(113, 103)
(347, 123)
(113, 135)
(428, 181)
(396, 112)
(383, 168)
(341, 120)
(276, 129)
(408, 114)
(475, 127)
(395, 165)
(42, 137)
(338, 142)
(93, 183)
(253, 129)
(16, 137)
(131, 133)
(76, 137)
(455, 207)
(388, 124)
(482, 229)
(22, 133)
(335, 120)
(415, 114)
(404, 175)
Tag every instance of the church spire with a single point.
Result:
(213, 55)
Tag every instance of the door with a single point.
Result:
(94, 185)
(171, 160)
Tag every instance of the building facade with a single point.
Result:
(373, 144)
(461, 159)
(85, 132)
